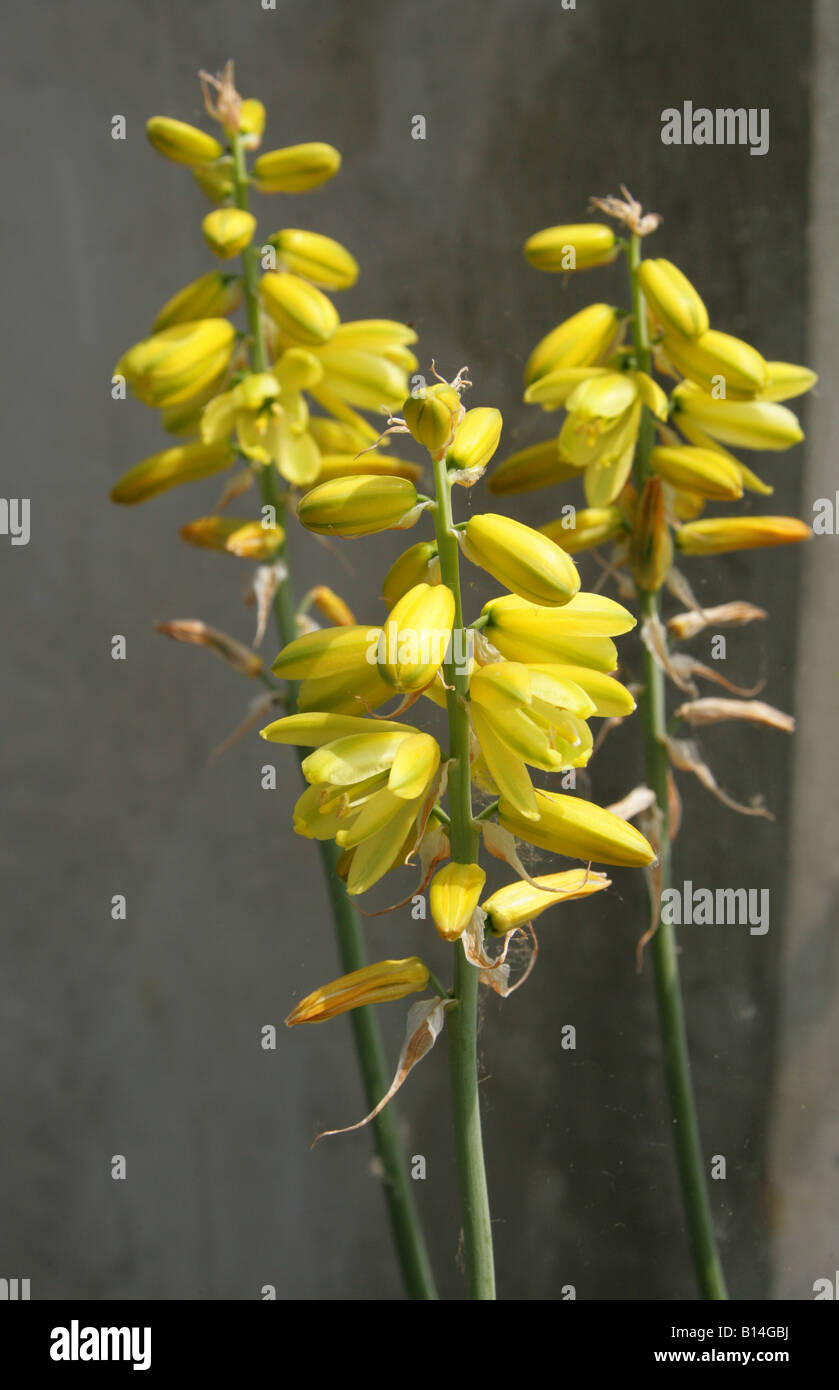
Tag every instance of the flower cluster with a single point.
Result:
(286, 392)
(519, 686)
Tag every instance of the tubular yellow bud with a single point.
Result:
(717, 535)
(523, 560)
(787, 380)
(416, 636)
(373, 984)
(743, 424)
(672, 299)
(182, 143)
(588, 527)
(475, 439)
(336, 437)
(250, 540)
(373, 335)
(296, 168)
(531, 468)
(519, 903)
(454, 894)
(576, 635)
(364, 379)
(317, 258)
(715, 358)
(358, 506)
(432, 416)
(251, 122)
(610, 698)
(579, 829)
(215, 180)
(703, 471)
(176, 364)
(332, 606)
(382, 465)
(212, 296)
(227, 231)
(553, 389)
(420, 564)
(299, 309)
(330, 651)
(577, 247)
(185, 463)
(581, 341)
(651, 545)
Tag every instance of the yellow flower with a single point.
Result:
(211, 296)
(185, 463)
(601, 429)
(576, 635)
(269, 419)
(717, 359)
(523, 560)
(373, 984)
(586, 528)
(578, 247)
(182, 143)
(453, 895)
(296, 168)
(227, 231)
(316, 258)
(475, 440)
(531, 468)
(704, 471)
(178, 363)
(359, 506)
(420, 564)
(579, 829)
(518, 903)
(250, 540)
(758, 424)
(584, 340)
(416, 636)
(330, 651)
(433, 415)
(300, 310)
(523, 715)
(672, 299)
(720, 534)
(786, 380)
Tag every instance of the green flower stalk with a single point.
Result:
(650, 464)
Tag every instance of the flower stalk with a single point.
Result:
(463, 1018)
(407, 1235)
(652, 707)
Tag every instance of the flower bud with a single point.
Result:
(336, 437)
(590, 526)
(373, 984)
(673, 301)
(579, 829)
(383, 465)
(553, 389)
(358, 506)
(227, 231)
(416, 636)
(702, 471)
(523, 560)
(251, 122)
(329, 651)
(418, 565)
(212, 296)
(332, 606)
(300, 310)
(651, 546)
(177, 363)
(713, 355)
(364, 379)
(581, 341)
(576, 635)
(453, 896)
(757, 424)
(786, 380)
(717, 535)
(182, 143)
(535, 467)
(296, 168)
(250, 540)
(215, 180)
(475, 439)
(186, 463)
(316, 258)
(519, 903)
(432, 416)
(576, 247)
(373, 335)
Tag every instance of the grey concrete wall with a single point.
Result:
(142, 1038)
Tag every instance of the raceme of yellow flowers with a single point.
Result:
(519, 685)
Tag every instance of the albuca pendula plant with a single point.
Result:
(275, 406)
(514, 690)
(652, 463)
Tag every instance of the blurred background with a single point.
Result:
(142, 1038)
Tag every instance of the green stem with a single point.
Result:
(463, 1019)
(407, 1234)
(671, 1015)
